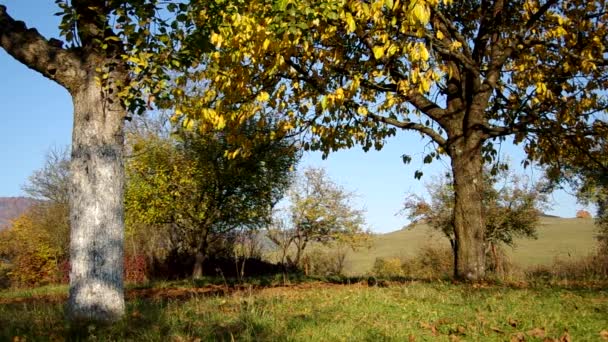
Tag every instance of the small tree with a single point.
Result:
(511, 207)
(193, 189)
(319, 211)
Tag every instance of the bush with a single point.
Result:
(592, 267)
(431, 262)
(324, 263)
(583, 214)
(5, 281)
(387, 267)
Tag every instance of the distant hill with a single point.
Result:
(562, 238)
(12, 207)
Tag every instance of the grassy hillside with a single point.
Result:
(557, 238)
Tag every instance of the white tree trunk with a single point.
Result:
(96, 207)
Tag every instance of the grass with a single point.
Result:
(413, 311)
(564, 238)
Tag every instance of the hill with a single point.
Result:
(557, 238)
(12, 207)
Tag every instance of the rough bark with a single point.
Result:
(96, 205)
(469, 225)
(97, 175)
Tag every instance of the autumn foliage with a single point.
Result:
(33, 255)
(583, 214)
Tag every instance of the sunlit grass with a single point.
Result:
(331, 312)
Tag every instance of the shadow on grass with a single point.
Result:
(171, 311)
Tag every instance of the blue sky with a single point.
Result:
(37, 115)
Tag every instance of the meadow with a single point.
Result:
(345, 308)
(558, 238)
(321, 311)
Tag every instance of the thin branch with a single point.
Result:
(412, 126)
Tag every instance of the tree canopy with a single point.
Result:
(319, 211)
(189, 185)
(464, 74)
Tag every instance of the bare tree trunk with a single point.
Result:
(469, 225)
(197, 272)
(96, 206)
(199, 258)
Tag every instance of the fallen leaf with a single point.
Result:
(536, 332)
(565, 337)
(454, 338)
(604, 335)
(513, 322)
(519, 337)
(411, 338)
(495, 329)
(430, 327)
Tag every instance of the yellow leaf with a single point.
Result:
(421, 12)
(265, 44)
(456, 45)
(362, 111)
(440, 35)
(378, 51)
(216, 39)
(350, 23)
(263, 96)
(424, 53)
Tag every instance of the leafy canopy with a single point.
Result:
(355, 71)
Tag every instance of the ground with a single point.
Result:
(322, 311)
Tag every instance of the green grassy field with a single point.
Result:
(412, 311)
(565, 238)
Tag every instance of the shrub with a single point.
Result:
(324, 263)
(431, 262)
(387, 267)
(583, 214)
(5, 280)
(592, 267)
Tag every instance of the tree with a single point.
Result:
(50, 185)
(191, 186)
(464, 74)
(113, 56)
(51, 182)
(319, 211)
(510, 206)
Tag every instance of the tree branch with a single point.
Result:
(413, 126)
(36, 52)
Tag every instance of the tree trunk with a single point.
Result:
(199, 258)
(469, 225)
(197, 272)
(96, 205)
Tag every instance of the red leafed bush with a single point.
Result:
(136, 269)
(583, 214)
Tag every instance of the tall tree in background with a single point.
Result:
(464, 74)
(511, 207)
(109, 51)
